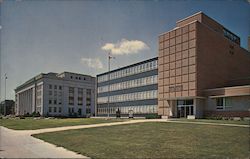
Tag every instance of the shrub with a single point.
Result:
(27, 115)
(152, 116)
(21, 117)
(35, 114)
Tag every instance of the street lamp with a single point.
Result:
(5, 78)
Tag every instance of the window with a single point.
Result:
(88, 110)
(79, 111)
(80, 99)
(60, 110)
(55, 87)
(219, 103)
(50, 101)
(54, 109)
(71, 95)
(50, 86)
(223, 103)
(50, 93)
(50, 109)
(55, 101)
(60, 87)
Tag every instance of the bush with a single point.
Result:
(21, 117)
(152, 116)
(35, 114)
(27, 115)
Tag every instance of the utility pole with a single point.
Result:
(5, 78)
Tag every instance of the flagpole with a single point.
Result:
(109, 57)
(5, 78)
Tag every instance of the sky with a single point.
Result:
(41, 36)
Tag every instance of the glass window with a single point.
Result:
(219, 103)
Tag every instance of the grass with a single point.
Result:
(240, 122)
(31, 124)
(155, 140)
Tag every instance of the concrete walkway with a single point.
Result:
(20, 143)
(14, 144)
(39, 131)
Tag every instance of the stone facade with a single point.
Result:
(52, 94)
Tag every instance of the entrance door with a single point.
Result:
(184, 108)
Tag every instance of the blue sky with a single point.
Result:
(68, 35)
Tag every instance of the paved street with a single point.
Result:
(20, 143)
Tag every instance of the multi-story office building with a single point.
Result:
(131, 88)
(52, 94)
(203, 70)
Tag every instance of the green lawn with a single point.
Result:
(241, 122)
(155, 140)
(31, 124)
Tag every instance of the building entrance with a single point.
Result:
(185, 108)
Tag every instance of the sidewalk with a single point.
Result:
(14, 144)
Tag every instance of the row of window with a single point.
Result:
(55, 93)
(129, 84)
(55, 101)
(144, 109)
(129, 71)
(223, 103)
(129, 97)
(55, 109)
(70, 110)
(78, 78)
(55, 87)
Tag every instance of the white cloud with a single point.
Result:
(92, 62)
(125, 47)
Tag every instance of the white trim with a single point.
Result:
(25, 89)
(200, 12)
(219, 96)
(178, 27)
(188, 97)
(234, 87)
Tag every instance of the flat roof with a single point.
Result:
(128, 66)
(48, 75)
